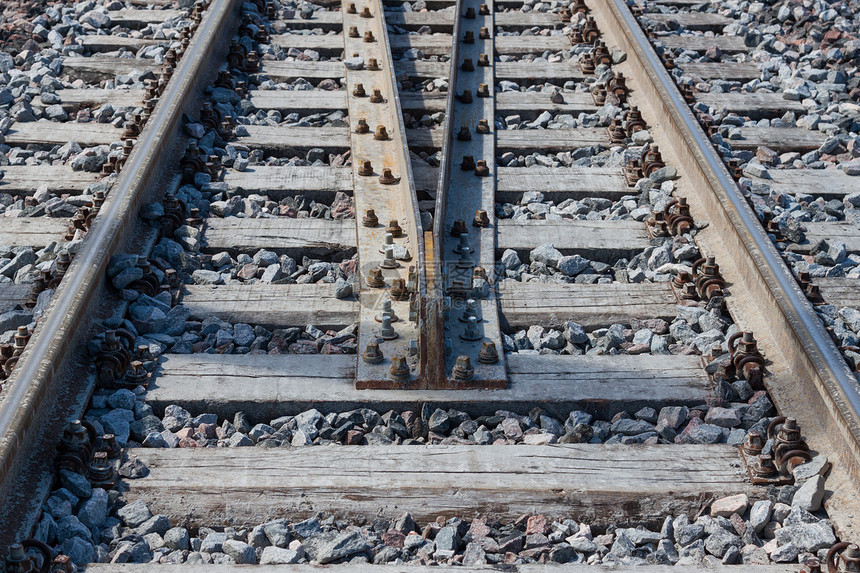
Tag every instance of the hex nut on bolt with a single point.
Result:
(399, 370)
(389, 262)
(394, 228)
(488, 354)
(370, 219)
(373, 65)
(353, 32)
(463, 369)
(387, 332)
(482, 219)
(472, 332)
(398, 289)
(366, 168)
(387, 310)
(358, 91)
(362, 126)
(387, 177)
(381, 133)
(374, 278)
(372, 354)
(377, 96)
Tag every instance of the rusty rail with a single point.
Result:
(383, 183)
(38, 376)
(823, 382)
(464, 227)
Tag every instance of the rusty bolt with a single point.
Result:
(100, 471)
(484, 10)
(465, 97)
(351, 8)
(381, 133)
(398, 289)
(463, 369)
(370, 219)
(764, 467)
(111, 447)
(467, 65)
(484, 34)
(464, 134)
(368, 37)
(483, 60)
(18, 560)
(362, 126)
(470, 13)
(481, 219)
(458, 228)
(468, 163)
(488, 354)
(394, 228)
(469, 37)
(481, 169)
(483, 90)
(376, 97)
(483, 126)
(753, 443)
(399, 370)
(387, 177)
(372, 65)
(374, 278)
(358, 91)
(366, 168)
(365, 12)
(353, 32)
(372, 354)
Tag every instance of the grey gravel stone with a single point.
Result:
(134, 514)
(807, 536)
(278, 556)
(810, 494)
(331, 546)
(241, 552)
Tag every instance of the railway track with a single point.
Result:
(494, 233)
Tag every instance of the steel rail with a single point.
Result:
(37, 371)
(837, 385)
(424, 364)
(436, 290)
